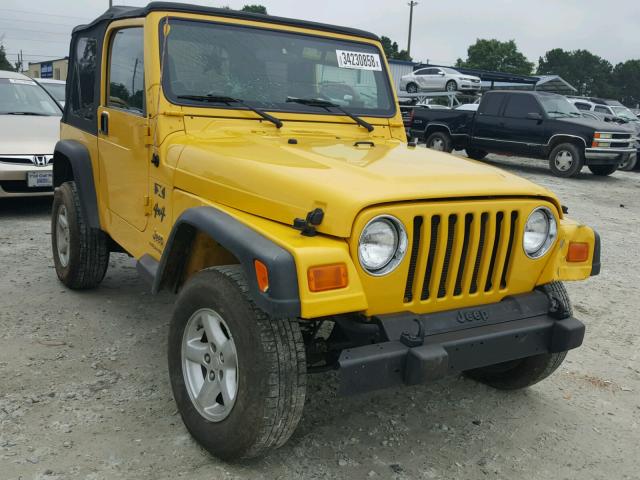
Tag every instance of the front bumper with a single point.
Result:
(13, 180)
(606, 156)
(423, 348)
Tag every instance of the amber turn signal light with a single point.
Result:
(578, 252)
(328, 277)
(262, 275)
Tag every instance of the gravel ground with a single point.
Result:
(84, 390)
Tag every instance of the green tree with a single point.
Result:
(626, 81)
(391, 50)
(4, 63)
(589, 73)
(255, 9)
(496, 55)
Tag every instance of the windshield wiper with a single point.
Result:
(26, 113)
(228, 100)
(318, 102)
(565, 114)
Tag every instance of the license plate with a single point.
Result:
(39, 179)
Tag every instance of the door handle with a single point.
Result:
(104, 123)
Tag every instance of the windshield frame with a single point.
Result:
(303, 110)
(32, 83)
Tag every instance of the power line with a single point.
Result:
(42, 13)
(68, 33)
(51, 24)
(37, 40)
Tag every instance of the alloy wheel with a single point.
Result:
(62, 236)
(210, 364)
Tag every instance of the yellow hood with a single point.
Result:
(267, 176)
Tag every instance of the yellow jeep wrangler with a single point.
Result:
(258, 167)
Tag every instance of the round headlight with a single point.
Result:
(382, 245)
(540, 232)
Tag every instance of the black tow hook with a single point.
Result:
(410, 340)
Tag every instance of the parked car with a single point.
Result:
(530, 124)
(278, 218)
(611, 108)
(439, 79)
(468, 107)
(29, 130)
(55, 87)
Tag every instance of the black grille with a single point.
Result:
(20, 186)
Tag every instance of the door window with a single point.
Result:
(582, 106)
(126, 71)
(521, 105)
(602, 110)
(490, 104)
(424, 71)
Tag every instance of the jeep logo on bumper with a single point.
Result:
(472, 316)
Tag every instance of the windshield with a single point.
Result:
(264, 68)
(55, 89)
(557, 106)
(624, 112)
(25, 97)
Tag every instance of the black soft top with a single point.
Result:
(121, 12)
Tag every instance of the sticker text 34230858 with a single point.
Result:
(359, 60)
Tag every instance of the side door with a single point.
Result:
(437, 80)
(524, 123)
(420, 77)
(487, 126)
(122, 124)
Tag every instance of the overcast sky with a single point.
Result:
(442, 30)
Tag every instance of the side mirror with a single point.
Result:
(534, 116)
(441, 74)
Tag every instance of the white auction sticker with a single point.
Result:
(21, 81)
(359, 60)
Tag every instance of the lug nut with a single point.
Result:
(212, 375)
(221, 358)
(207, 358)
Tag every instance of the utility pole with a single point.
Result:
(411, 5)
(110, 3)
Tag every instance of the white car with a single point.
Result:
(55, 87)
(29, 130)
(439, 79)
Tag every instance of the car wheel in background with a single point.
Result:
(412, 88)
(451, 86)
(603, 170)
(628, 163)
(566, 160)
(439, 141)
(80, 253)
(476, 153)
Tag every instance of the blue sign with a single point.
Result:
(46, 70)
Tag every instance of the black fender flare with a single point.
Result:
(79, 160)
(282, 299)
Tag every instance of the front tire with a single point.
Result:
(439, 141)
(476, 153)
(566, 160)
(451, 86)
(412, 88)
(251, 400)
(629, 163)
(523, 373)
(603, 170)
(80, 253)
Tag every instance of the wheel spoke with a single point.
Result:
(208, 393)
(226, 388)
(214, 332)
(62, 220)
(228, 351)
(195, 351)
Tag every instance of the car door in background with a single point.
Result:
(487, 126)
(524, 123)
